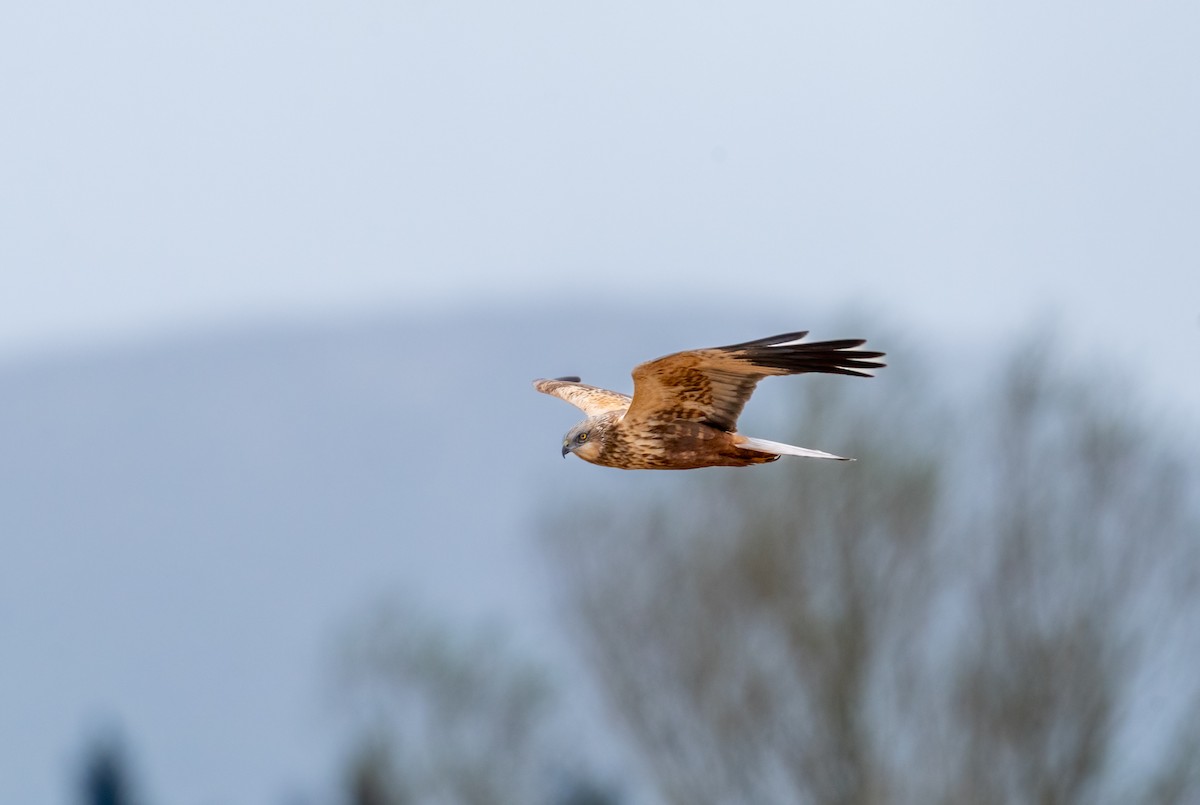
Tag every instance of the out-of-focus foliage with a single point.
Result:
(978, 610)
(105, 778)
(443, 718)
(449, 717)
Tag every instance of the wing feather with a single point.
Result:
(592, 400)
(713, 385)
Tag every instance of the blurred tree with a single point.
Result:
(105, 777)
(450, 718)
(960, 616)
(580, 790)
(371, 777)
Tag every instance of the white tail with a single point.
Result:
(780, 449)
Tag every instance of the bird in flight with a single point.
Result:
(684, 409)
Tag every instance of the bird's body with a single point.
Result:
(668, 445)
(684, 409)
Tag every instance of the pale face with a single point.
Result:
(583, 441)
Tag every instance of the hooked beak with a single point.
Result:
(566, 448)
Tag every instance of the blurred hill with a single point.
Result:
(185, 522)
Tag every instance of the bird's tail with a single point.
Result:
(780, 449)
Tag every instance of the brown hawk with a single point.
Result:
(684, 409)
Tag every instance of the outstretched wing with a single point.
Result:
(713, 385)
(589, 399)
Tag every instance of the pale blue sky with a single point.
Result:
(963, 166)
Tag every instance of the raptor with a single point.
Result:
(685, 406)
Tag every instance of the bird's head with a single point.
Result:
(584, 439)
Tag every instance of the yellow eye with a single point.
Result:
(582, 437)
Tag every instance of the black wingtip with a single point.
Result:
(783, 338)
(569, 379)
(839, 357)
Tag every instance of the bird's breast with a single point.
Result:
(672, 445)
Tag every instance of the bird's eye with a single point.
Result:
(582, 437)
